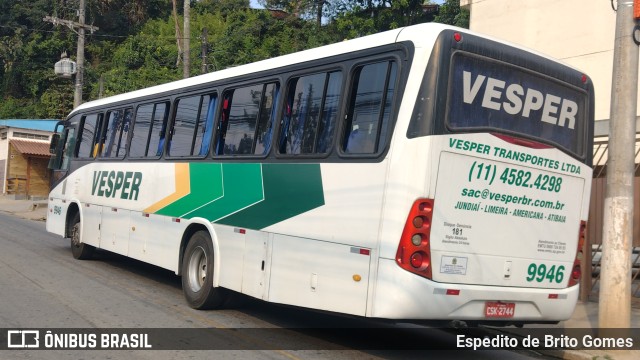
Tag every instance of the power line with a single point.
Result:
(81, 26)
(168, 38)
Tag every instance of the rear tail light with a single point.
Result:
(417, 259)
(414, 250)
(576, 271)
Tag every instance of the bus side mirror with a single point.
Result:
(54, 143)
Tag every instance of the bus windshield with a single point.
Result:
(487, 94)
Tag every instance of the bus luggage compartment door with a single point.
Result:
(319, 275)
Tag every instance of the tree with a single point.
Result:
(118, 16)
(355, 18)
(144, 59)
(56, 101)
(136, 46)
(303, 9)
(223, 7)
(452, 14)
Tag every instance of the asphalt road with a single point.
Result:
(42, 286)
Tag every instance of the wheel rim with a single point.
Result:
(75, 235)
(197, 269)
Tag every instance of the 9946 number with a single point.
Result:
(540, 273)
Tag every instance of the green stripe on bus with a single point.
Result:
(206, 185)
(241, 186)
(289, 189)
(252, 196)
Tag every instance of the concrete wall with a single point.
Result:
(578, 32)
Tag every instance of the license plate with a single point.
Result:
(495, 309)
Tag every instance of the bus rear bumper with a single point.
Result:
(400, 294)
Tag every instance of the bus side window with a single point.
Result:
(328, 120)
(200, 145)
(114, 119)
(222, 124)
(185, 134)
(207, 126)
(116, 132)
(310, 114)
(124, 135)
(89, 135)
(264, 130)
(69, 146)
(246, 120)
(159, 129)
(141, 129)
(146, 130)
(95, 148)
(368, 115)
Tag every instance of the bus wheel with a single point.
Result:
(197, 274)
(80, 250)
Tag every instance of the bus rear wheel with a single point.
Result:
(80, 250)
(197, 274)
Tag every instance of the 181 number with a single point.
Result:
(540, 273)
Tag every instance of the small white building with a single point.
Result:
(24, 157)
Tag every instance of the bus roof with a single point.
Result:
(421, 35)
(366, 42)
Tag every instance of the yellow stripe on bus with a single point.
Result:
(183, 187)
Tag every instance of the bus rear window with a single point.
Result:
(490, 95)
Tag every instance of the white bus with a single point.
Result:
(421, 173)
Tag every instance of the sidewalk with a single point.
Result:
(585, 315)
(27, 209)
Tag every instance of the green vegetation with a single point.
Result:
(136, 45)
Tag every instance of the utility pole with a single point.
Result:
(178, 33)
(81, 26)
(615, 286)
(203, 50)
(186, 60)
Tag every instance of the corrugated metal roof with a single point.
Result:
(31, 147)
(43, 125)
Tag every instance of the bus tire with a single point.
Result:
(80, 250)
(197, 274)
